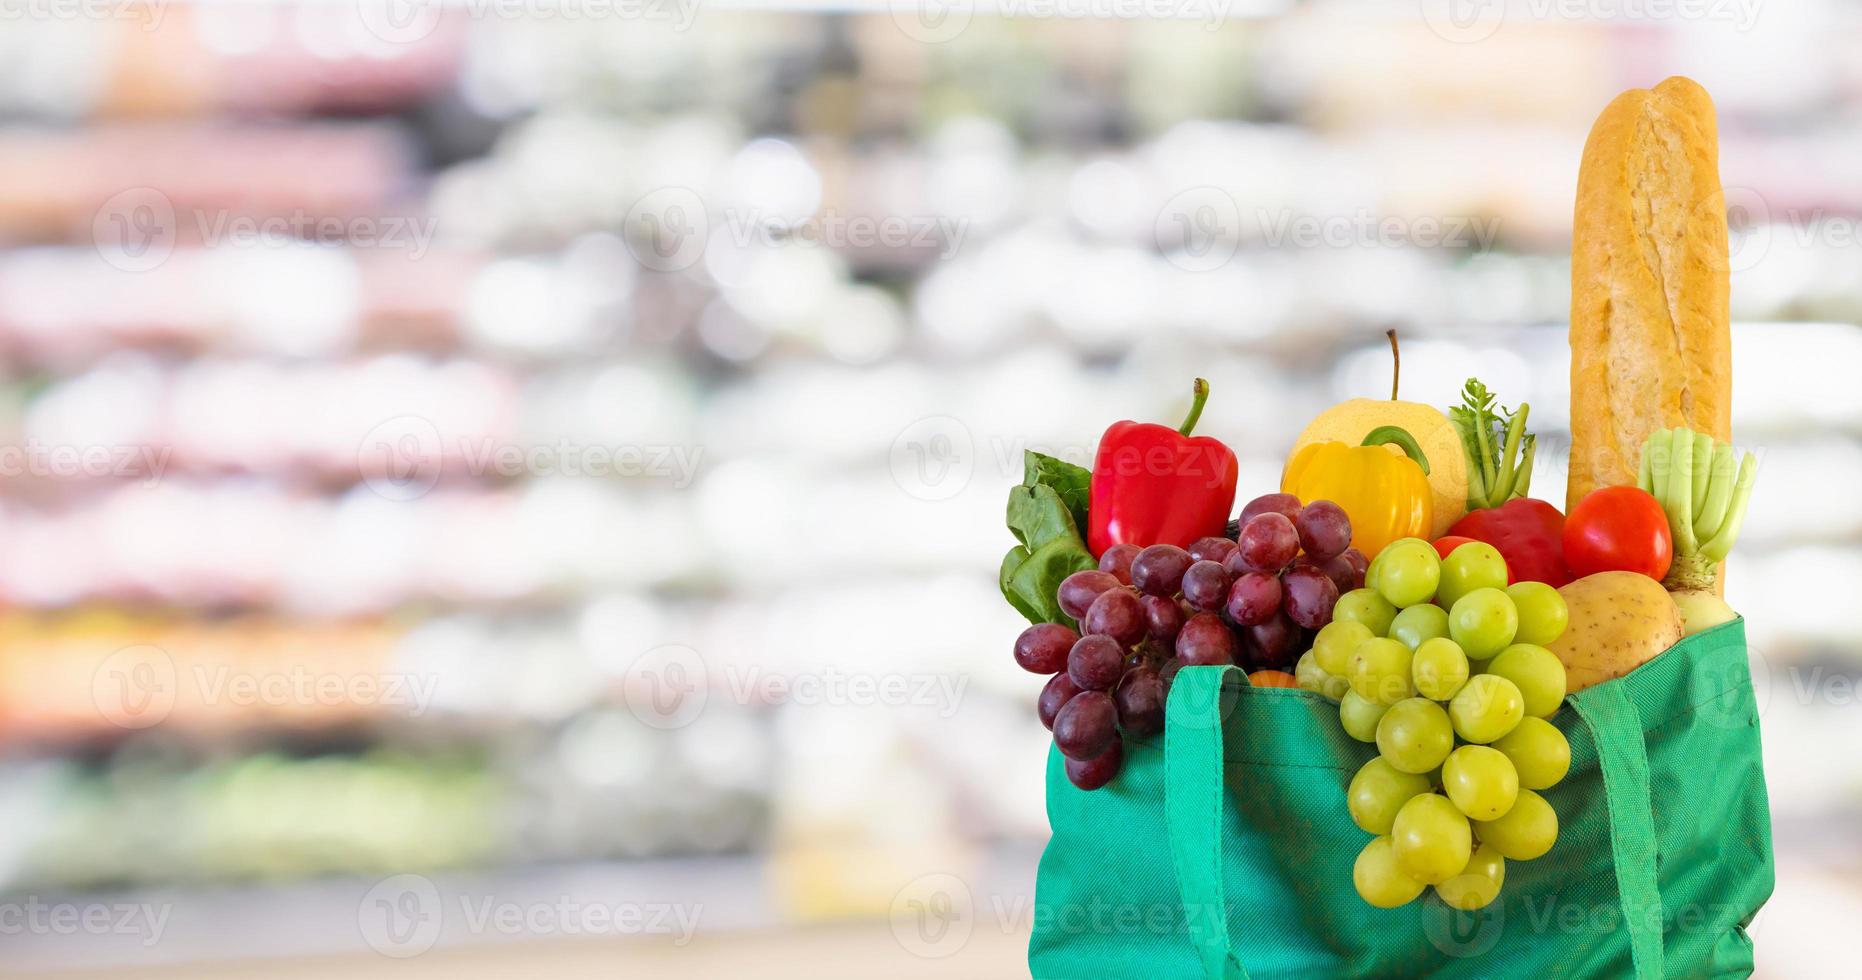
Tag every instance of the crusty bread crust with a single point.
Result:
(1650, 346)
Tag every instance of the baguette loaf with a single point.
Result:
(1650, 346)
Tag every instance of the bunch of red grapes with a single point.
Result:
(1253, 600)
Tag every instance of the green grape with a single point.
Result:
(1537, 672)
(1308, 674)
(1367, 607)
(1378, 791)
(1538, 751)
(1478, 884)
(1360, 716)
(1378, 879)
(1486, 708)
(1415, 735)
(1528, 830)
(1542, 612)
(1380, 671)
(1483, 622)
(1480, 782)
(1418, 623)
(1475, 565)
(1334, 644)
(1439, 668)
(1411, 571)
(1431, 839)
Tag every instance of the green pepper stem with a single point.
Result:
(1399, 437)
(1196, 407)
(1396, 363)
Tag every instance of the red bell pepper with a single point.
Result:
(1529, 533)
(1156, 485)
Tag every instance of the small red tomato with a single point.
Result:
(1618, 529)
(1272, 678)
(1446, 544)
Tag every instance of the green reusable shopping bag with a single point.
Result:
(1224, 849)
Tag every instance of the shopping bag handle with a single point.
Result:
(1623, 758)
(1201, 699)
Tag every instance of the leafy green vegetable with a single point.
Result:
(1045, 514)
(1073, 483)
(1491, 437)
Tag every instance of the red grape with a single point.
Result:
(1163, 618)
(1254, 598)
(1310, 595)
(1059, 690)
(1117, 562)
(1042, 648)
(1338, 568)
(1324, 529)
(1168, 673)
(1077, 591)
(1359, 565)
(1140, 701)
(1274, 643)
(1212, 548)
(1158, 570)
(1205, 640)
(1267, 543)
(1205, 586)
(1086, 725)
(1117, 614)
(1284, 504)
(1096, 772)
(1095, 663)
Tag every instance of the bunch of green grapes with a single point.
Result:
(1444, 667)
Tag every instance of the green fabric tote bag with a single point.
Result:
(1224, 850)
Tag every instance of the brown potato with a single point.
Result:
(1619, 621)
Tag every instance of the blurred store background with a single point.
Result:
(556, 452)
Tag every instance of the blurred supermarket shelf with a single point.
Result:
(405, 393)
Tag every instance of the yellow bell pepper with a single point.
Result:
(1387, 496)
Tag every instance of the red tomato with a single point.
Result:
(1272, 678)
(1446, 544)
(1618, 529)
